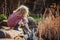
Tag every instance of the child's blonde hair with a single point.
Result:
(22, 7)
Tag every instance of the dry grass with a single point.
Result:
(49, 28)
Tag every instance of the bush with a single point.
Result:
(3, 17)
(49, 28)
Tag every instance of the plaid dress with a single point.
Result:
(13, 20)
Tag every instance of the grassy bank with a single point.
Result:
(37, 17)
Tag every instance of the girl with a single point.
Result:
(19, 17)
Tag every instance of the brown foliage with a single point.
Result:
(49, 28)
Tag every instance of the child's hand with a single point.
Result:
(22, 24)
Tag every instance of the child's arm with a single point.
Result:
(20, 22)
(26, 25)
(25, 22)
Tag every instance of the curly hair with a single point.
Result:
(22, 8)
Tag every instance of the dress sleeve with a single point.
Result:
(25, 21)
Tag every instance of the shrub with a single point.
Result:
(3, 17)
(49, 28)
